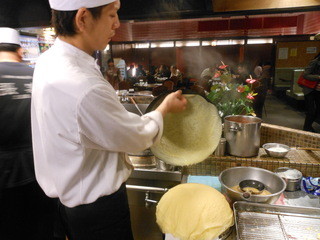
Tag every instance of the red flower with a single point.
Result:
(251, 81)
(250, 96)
(223, 66)
(217, 74)
(240, 89)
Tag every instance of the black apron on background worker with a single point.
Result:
(25, 211)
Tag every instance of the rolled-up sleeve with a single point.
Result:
(103, 123)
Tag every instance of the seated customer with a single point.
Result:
(176, 75)
(163, 72)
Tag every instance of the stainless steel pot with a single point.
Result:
(233, 176)
(243, 135)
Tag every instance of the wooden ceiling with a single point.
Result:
(221, 27)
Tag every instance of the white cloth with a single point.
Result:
(80, 130)
(9, 35)
(71, 5)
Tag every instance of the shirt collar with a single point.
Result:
(76, 52)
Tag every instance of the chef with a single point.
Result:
(81, 132)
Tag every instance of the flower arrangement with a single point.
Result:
(232, 98)
(223, 72)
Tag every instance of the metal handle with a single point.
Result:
(148, 201)
(147, 188)
(135, 104)
(246, 195)
(235, 128)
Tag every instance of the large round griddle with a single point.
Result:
(190, 136)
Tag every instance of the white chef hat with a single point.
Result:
(71, 5)
(9, 35)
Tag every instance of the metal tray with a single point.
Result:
(263, 221)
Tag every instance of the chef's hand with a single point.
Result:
(174, 102)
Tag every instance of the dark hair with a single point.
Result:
(9, 47)
(63, 21)
(110, 60)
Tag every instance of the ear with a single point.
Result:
(20, 52)
(81, 19)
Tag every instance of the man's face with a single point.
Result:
(103, 28)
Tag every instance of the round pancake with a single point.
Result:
(190, 136)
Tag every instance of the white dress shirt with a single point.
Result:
(81, 132)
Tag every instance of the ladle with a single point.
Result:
(249, 183)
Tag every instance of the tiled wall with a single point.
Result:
(308, 162)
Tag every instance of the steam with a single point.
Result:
(197, 60)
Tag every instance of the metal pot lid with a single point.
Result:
(190, 136)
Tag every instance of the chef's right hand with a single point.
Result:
(174, 102)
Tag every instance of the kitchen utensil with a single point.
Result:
(135, 104)
(243, 135)
(251, 187)
(233, 176)
(276, 149)
(190, 136)
(291, 176)
(308, 148)
(161, 165)
(221, 148)
(256, 221)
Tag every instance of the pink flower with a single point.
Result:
(250, 96)
(251, 81)
(223, 66)
(217, 74)
(240, 89)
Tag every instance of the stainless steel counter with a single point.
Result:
(157, 182)
(145, 187)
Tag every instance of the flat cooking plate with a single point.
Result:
(263, 221)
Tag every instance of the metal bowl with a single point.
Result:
(233, 176)
(276, 149)
(291, 176)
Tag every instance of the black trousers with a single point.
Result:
(312, 101)
(108, 218)
(26, 213)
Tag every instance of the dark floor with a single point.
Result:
(285, 111)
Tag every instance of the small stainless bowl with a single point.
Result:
(276, 149)
(291, 176)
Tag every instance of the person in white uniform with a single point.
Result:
(81, 132)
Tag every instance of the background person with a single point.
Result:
(242, 74)
(175, 74)
(206, 77)
(163, 72)
(312, 96)
(25, 211)
(81, 132)
(113, 75)
(261, 88)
